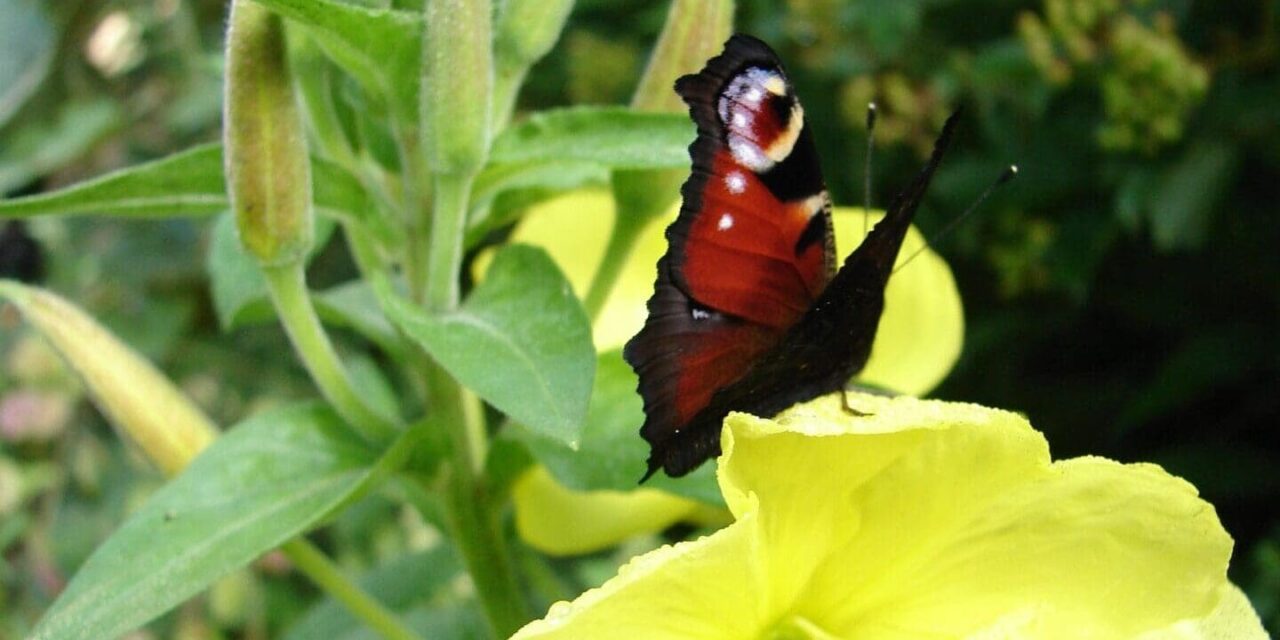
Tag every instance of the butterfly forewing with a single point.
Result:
(751, 249)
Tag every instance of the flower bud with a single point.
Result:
(694, 31)
(527, 29)
(139, 400)
(457, 84)
(267, 165)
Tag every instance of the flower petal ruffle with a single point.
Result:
(559, 521)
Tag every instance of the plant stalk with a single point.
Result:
(470, 510)
(287, 284)
(626, 229)
(321, 571)
(448, 222)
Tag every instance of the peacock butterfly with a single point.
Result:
(749, 312)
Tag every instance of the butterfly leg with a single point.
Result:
(844, 402)
(862, 388)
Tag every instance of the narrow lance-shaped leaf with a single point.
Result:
(521, 341)
(264, 482)
(611, 136)
(139, 400)
(187, 183)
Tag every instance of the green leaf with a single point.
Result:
(521, 341)
(187, 183)
(27, 46)
(498, 179)
(493, 186)
(235, 280)
(39, 148)
(264, 482)
(353, 305)
(397, 585)
(236, 284)
(380, 47)
(615, 137)
(611, 454)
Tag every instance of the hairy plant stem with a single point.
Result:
(321, 571)
(626, 229)
(288, 287)
(470, 511)
(448, 222)
(418, 211)
(507, 80)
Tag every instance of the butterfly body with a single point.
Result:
(748, 312)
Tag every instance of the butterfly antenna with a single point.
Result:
(866, 167)
(1005, 176)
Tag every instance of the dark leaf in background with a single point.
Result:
(20, 255)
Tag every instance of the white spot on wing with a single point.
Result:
(740, 120)
(735, 182)
(748, 154)
(726, 222)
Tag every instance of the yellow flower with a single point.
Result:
(918, 342)
(925, 520)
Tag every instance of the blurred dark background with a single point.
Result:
(1124, 292)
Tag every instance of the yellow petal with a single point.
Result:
(938, 519)
(560, 521)
(922, 329)
(809, 470)
(1233, 618)
(703, 589)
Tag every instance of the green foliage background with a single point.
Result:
(1124, 292)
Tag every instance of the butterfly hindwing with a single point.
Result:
(751, 250)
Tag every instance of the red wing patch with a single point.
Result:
(752, 248)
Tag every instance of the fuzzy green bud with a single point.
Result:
(267, 164)
(527, 29)
(457, 84)
(695, 30)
